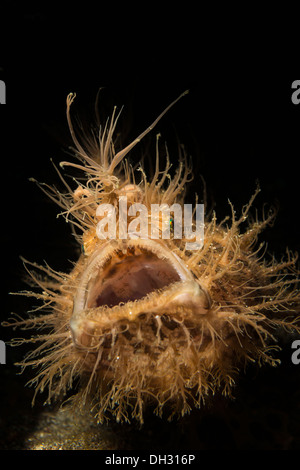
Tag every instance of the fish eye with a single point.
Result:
(171, 222)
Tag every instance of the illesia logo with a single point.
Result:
(158, 224)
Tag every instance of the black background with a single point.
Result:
(238, 123)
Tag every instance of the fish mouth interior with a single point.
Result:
(129, 277)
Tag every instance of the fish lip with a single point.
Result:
(104, 252)
(186, 291)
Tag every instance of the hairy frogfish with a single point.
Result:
(144, 318)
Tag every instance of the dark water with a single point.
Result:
(238, 123)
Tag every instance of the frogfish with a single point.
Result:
(143, 321)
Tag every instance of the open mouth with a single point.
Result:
(127, 278)
(127, 271)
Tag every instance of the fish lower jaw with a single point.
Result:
(180, 301)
